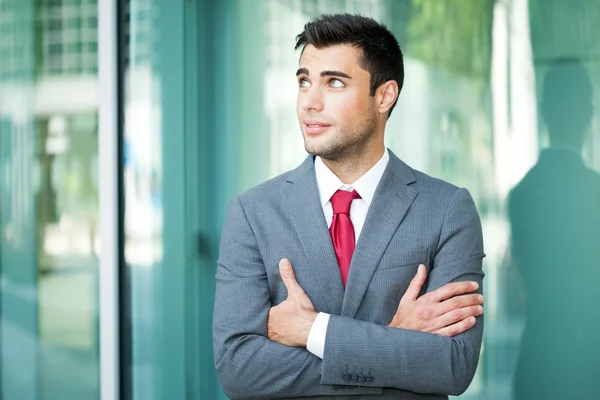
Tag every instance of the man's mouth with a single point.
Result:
(315, 127)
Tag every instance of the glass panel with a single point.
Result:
(171, 283)
(143, 182)
(48, 211)
(553, 210)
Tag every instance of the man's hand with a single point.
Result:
(446, 311)
(290, 322)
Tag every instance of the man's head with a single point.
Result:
(567, 103)
(351, 72)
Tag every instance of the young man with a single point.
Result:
(321, 269)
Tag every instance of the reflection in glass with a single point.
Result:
(555, 224)
(48, 201)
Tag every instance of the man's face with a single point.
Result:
(337, 115)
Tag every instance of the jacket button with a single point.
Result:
(347, 377)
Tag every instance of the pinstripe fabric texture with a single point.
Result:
(413, 219)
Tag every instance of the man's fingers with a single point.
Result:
(450, 290)
(416, 284)
(457, 302)
(287, 275)
(457, 328)
(456, 316)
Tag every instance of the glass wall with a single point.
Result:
(48, 200)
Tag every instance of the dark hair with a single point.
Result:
(381, 54)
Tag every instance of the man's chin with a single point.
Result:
(321, 151)
(320, 146)
(314, 148)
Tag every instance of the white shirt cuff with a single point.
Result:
(316, 337)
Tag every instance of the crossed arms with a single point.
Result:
(430, 346)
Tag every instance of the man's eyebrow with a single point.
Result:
(304, 71)
(336, 73)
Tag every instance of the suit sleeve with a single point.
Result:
(249, 365)
(411, 360)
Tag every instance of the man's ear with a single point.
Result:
(386, 96)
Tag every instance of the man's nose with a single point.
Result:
(311, 99)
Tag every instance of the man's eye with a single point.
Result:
(303, 83)
(336, 83)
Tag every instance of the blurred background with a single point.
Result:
(206, 109)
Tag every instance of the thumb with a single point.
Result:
(416, 284)
(287, 275)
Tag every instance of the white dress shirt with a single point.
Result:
(328, 183)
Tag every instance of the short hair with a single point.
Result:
(381, 54)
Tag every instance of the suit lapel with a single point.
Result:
(300, 197)
(390, 204)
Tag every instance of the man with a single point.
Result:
(555, 221)
(314, 293)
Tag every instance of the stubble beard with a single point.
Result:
(348, 144)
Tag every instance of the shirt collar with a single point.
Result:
(328, 183)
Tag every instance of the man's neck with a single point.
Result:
(351, 168)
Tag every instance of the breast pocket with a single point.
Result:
(391, 279)
(404, 258)
(385, 291)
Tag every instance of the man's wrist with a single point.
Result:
(309, 317)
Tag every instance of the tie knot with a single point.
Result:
(342, 200)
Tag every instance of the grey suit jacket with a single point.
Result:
(413, 219)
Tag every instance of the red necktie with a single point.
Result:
(342, 230)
